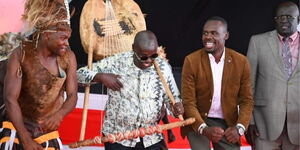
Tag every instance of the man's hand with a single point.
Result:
(178, 109)
(251, 134)
(109, 80)
(232, 135)
(30, 144)
(52, 122)
(214, 134)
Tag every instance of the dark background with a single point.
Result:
(178, 23)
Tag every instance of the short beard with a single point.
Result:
(210, 52)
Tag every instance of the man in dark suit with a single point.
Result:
(216, 90)
(274, 60)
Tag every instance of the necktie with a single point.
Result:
(287, 57)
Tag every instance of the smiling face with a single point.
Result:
(287, 19)
(145, 49)
(142, 53)
(57, 42)
(214, 36)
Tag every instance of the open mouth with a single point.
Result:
(285, 26)
(208, 45)
(147, 64)
(63, 50)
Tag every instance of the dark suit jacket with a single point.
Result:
(197, 89)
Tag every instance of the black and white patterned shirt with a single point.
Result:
(139, 102)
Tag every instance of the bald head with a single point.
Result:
(145, 40)
(287, 5)
(145, 49)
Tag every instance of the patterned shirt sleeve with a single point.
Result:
(85, 75)
(167, 72)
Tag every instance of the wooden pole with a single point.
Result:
(86, 100)
(166, 86)
(119, 137)
(87, 89)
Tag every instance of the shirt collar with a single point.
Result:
(293, 36)
(212, 58)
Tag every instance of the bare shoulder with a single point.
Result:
(72, 62)
(67, 60)
(70, 54)
(16, 55)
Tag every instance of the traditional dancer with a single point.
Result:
(37, 74)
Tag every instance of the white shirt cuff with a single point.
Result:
(242, 126)
(201, 127)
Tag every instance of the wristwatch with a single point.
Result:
(240, 130)
(202, 127)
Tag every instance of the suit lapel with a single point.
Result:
(207, 70)
(275, 48)
(226, 70)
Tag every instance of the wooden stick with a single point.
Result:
(166, 86)
(86, 100)
(117, 137)
(84, 112)
(87, 89)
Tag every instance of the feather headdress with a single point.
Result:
(8, 42)
(42, 14)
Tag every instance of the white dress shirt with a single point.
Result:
(215, 110)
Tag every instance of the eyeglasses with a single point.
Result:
(288, 17)
(145, 58)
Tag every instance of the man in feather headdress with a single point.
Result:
(38, 73)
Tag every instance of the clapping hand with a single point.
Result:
(51, 123)
(232, 135)
(214, 134)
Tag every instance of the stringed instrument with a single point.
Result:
(112, 23)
